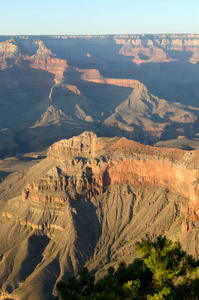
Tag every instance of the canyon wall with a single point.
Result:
(160, 48)
(87, 165)
(88, 203)
(93, 75)
(143, 87)
(44, 59)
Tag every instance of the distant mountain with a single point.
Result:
(144, 87)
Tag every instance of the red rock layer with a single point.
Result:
(53, 65)
(12, 52)
(45, 60)
(145, 49)
(87, 165)
(151, 54)
(93, 75)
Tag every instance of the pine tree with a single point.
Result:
(167, 261)
(153, 277)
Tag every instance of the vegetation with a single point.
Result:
(164, 272)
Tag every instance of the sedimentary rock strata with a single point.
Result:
(87, 165)
(44, 59)
(143, 87)
(88, 202)
(158, 48)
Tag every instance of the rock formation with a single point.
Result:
(92, 198)
(11, 53)
(88, 202)
(158, 48)
(87, 165)
(143, 87)
(94, 76)
(44, 59)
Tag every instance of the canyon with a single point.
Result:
(99, 149)
(87, 203)
(132, 164)
(143, 87)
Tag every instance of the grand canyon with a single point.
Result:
(99, 148)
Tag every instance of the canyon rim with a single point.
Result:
(98, 149)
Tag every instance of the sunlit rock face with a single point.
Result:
(11, 52)
(86, 165)
(88, 202)
(160, 48)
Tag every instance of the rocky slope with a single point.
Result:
(144, 87)
(88, 203)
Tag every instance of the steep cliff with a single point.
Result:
(88, 163)
(160, 48)
(44, 59)
(88, 203)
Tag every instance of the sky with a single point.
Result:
(85, 17)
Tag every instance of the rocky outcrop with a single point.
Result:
(78, 176)
(87, 165)
(150, 54)
(44, 59)
(14, 53)
(88, 203)
(63, 90)
(79, 180)
(11, 53)
(85, 145)
(93, 75)
(158, 48)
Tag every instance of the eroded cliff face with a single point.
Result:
(11, 53)
(85, 145)
(44, 59)
(67, 85)
(14, 53)
(78, 173)
(93, 75)
(88, 202)
(160, 48)
(87, 165)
